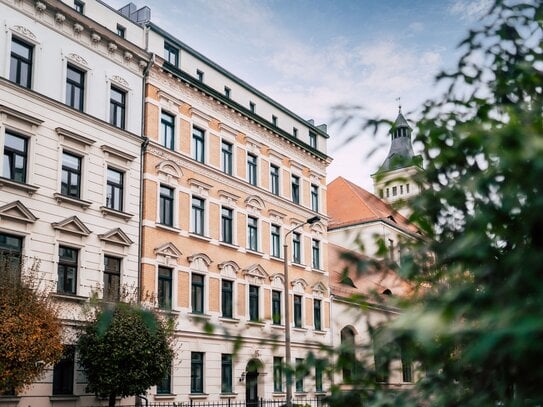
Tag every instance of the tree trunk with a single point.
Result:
(112, 400)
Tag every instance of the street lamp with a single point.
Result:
(309, 221)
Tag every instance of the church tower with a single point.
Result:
(394, 180)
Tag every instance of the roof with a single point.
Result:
(349, 204)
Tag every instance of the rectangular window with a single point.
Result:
(121, 31)
(75, 87)
(313, 139)
(274, 120)
(227, 92)
(298, 311)
(401, 189)
(407, 365)
(314, 197)
(226, 151)
(165, 385)
(394, 191)
(296, 248)
(15, 157)
(197, 293)
(79, 6)
(197, 372)
(227, 296)
(274, 179)
(277, 374)
(295, 189)
(406, 188)
(114, 194)
(252, 107)
(253, 303)
(20, 70)
(200, 75)
(11, 248)
(166, 206)
(388, 192)
(112, 278)
(226, 373)
(276, 307)
(316, 254)
(164, 288)
(227, 220)
(198, 212)
(117, 107)
(171, 54)
(252, 233)
(252, 169)
(71, 175)
(198, 145)
(300, 373)
(63, 372)
(67, 270)
(275, 241)
(319, 370)
(295, 132)
(317, 314)
(167, 127)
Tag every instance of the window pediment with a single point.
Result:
(74, 137)
(169, 169)
(229, 268)
(117, 153)
(168, 250)
(299, 285)
(72, 225)
(255, 274)
(255, 202)
(199, 262)
(20, 116)
(116, 236)
(319, 290)
(277, 280)
(18, 212)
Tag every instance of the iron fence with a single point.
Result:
(298, 402)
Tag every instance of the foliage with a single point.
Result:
(30, 332)
(124, 350)
(478, 322)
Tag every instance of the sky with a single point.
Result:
(315, 55)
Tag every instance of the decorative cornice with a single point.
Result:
(74, 136)
(19, 115)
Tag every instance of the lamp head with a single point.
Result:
(312, 220)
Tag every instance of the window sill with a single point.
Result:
(278, 259)
(198, 395)
(320, 393)
(74, 201)
(70, 297)
(229, 320)
(29, 189)
(230, 245)
(167, 311)
(279, 327)
(67, 397)
(169, 396)
(228, 395)
(279, 394)
(112, 212)
(319, 332)
(300, 394)
(299, 265)
(196, 315)
(197, 236)
(256, 323)
(256, 253)
(168, 228)
(320, 271)
(299, 329)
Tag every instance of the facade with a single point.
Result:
(395, 181)
(228, 172)
(70, 131)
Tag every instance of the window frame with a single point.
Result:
(317, 314)
(275, 241)
(227, 156)
(117, 109)
(300, 374)
(254, 303)
(63, 265)
(227, 225)
(114, 186)
(165, 288)
(252, 169)
(197, 372)
(167, 126)
(227, 299)
(169, 51)
(277, 374)
(165, 385)
(252, 233)
(166, 205)
(66, 187)
(14, 252)
(226, 373)
(72, 84)
(297, 247)
(21, 60)
(295, 188)
(313, 139)
(14, 153)
(121, 31)
(111, 273)
(64, 370)
(197, 293)
(275, 179)
(315, 254)
(198, 144)
(297, 311)
(79, 6)
(276, 303)
(314, 197)
(200, 75)
(197, 214)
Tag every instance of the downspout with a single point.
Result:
(332, 298)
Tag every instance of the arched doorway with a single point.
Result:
(251, 383)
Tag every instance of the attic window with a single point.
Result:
(346, 280)
(390, 217)
(387, 292)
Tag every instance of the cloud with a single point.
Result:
(470, 10)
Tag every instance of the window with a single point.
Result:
(20, 70)
(117, 107)
(388, 192)
(121, 31)
(112, 278)
(276, 307)
(401, 189)
(274, 120)
(251, 169)
(171, 54)
(252, 233)
(226, 373)
(198, 206)
(300, 373)
(316, 254)
(15, 157)
(406, 188)
(71, 175)
(394, 191)
(296, 248)
(253, 303)
(226, 225)
(319, 370)
(63, 372)
(317, 314)
(164, 288)
(252, 107)
(227, 295)
(114, 194)
(298, 311)
(226, 151)
(167, 127)
(313, 139)
(10, 252)
(295, 189)
(198, 145)
(166, 206)
(407, 366)
(79, 6)
(200, 75)
(314, 197)
(197, 293)
(277, 374)
(197, 372)
(75, 87)
(295, 132)
(275, 241)
(165, 385)
(227, 91)
(274, 179)
(67, 270)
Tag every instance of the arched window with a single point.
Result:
(347, 355)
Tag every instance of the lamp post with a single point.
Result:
(309, 221)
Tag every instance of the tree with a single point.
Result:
(477, 326)
(124, 350)
(30, 332)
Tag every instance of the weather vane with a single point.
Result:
(399, 100)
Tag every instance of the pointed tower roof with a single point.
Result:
(401, 153)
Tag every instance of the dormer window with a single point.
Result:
(313, 139)
(200, 75)
(121, 31)
(274, 120)
(227, 91)
(171, 54)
